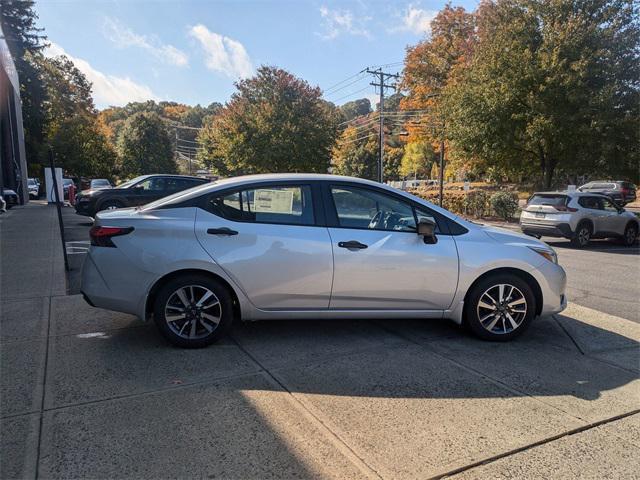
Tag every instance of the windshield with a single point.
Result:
(100, 183)
(178, 197)
(32, 181)
(128, 183)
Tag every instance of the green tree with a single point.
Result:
(144, 146)
(552, 86)
(355, 108)
(275, 122)
(417, 159)
(25, 40)
(83, 149)
(356, 156)
(68, 91)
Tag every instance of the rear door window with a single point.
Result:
(290, 205)
(593, 203)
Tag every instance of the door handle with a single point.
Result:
(221, 231)
(352, 245)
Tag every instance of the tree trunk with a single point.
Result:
(548, 173)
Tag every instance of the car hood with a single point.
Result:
(505, 236)
(9, 191)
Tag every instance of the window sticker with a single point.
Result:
(273, 201)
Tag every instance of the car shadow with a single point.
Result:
(605, 246)
(390, 358)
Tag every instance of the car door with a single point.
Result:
(594, 211)
(268, 239)
(612, 220)
(380, 262)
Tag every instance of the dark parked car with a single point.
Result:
(139, 191)
(10, 197)
(621, 192)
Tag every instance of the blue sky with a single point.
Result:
(191, 51)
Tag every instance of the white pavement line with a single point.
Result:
(553, 438)
(342, 446)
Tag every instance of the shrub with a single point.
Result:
(476, 203)
(504, 204)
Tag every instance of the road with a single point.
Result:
(605, 276)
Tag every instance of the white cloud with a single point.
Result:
(338, 22)
(223, 54)
(124, 37)
(416, 20)
(107, 89)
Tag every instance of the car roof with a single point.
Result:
(287, 177)
(573, 194)
(172, 175)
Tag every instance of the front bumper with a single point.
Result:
(551, 230)
(84, 208)
(552, 280)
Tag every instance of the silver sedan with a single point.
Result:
(302, 246)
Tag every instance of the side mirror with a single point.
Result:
(427, 229)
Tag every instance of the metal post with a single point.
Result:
(441, 171)
(381, 157)
(59, 209)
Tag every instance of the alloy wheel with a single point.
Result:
(502, 308)
(584, 235)
(193, 312)
(630, 235)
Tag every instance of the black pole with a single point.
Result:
(441, 172)
(59, 208)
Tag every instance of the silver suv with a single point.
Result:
(578, 216)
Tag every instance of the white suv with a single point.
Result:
(579, 217)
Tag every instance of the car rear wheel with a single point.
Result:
(630, 235)
(500, 307)
(193, 311)
(582, 236)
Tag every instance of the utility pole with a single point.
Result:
(382, 77)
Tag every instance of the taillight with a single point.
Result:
(101, 236)
(564, 208)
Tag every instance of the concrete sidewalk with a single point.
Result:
(88, 393)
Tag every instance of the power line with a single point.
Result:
(350, 94)
(329, 94)
(375, 134)
(326, 90)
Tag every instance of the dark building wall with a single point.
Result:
(13, 165)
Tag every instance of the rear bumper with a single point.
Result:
(556, 230)
(105, 286)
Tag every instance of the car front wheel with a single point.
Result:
(193, 311)
(630, 235)
(500, 307)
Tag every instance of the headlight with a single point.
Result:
(548, 253)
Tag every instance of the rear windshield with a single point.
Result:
(551, 200)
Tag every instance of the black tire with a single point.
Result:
(630, 235)
(110, 204)
(502, 329)
(165, 299)
(582, 235)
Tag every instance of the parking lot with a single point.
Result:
(88, 393)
